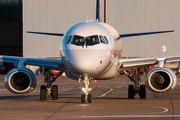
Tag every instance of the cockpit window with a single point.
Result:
(106, 39)
(102, 39)
(87, 41)
(68, 39)
(78, 40)
(92, 40)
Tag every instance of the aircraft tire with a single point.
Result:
(43, 92)
(89, 98)
(54, 92)
(142, 92)
(83, 98)
(130, 92)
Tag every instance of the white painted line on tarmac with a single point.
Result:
(127, 116)
(164, 110)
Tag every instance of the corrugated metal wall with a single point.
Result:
(146, 15)
(127, 16)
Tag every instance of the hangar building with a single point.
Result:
(11, 27)
(126, 16)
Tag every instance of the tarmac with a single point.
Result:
(110, 101)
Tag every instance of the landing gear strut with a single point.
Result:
(136, 88)
(49, 89)
(86, 89)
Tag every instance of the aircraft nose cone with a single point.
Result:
(83, 68)
(85, 62)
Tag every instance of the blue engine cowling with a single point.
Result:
(161, 80)
(20, 81)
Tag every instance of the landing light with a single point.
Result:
(95, 80)
(84, 90)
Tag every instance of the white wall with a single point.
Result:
(127, 16)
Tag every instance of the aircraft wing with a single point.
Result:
(138, 62)
(144, 33)
(55, 63)
(46, 33)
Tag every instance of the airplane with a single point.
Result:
(87, 52)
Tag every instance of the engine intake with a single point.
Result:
(20, 81)
(161, 80)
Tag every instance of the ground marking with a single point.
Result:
(127, 116)
(104, 94)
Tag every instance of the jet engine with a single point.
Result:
(20, 81)
(161, 80)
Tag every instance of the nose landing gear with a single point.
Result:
(86, 90)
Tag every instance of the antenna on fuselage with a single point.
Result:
(98, 10)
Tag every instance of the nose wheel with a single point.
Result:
(89, 98)
(84, 97)
(86, 90)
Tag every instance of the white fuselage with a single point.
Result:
(87, 48)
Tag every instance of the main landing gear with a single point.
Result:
(86, 89)
(136, 88)
(49, 89)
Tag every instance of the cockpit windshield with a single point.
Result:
(78, 40)
(92, 40)
(88, 41)
(102, 39)
(68, 39)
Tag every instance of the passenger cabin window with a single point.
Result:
(78, 40)
(106, 39)
(102, 39)
(68, 39)
(92, 40)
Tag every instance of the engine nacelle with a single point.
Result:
(20, 81)
(161, 80)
